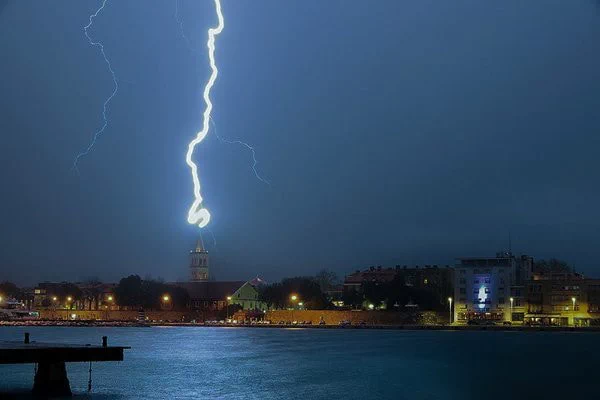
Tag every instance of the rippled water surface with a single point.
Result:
(267, 363)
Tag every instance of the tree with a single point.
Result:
(92, 292)
(134, 291)
(129, 291)
(306, 289)
(352, 298)
(9, 289)
(326, 279)
(68, 290)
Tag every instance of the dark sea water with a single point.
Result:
(247, 363)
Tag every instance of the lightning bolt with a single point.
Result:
(109, 98)
(246, 145)
(197, 214)
(181, 29)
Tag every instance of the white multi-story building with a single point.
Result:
(491, 288)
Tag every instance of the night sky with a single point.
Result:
(392, 132)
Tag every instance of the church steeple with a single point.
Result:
(199, 245)
(199, 262)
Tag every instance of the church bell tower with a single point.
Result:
(199, 263)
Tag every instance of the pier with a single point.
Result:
(51, 373)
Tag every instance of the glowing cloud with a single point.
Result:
(197, 214)
(109, 98)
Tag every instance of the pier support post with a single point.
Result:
(51, 380)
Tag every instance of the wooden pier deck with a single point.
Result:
(51, 375)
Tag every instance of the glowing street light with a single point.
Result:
(512, 301)
(1, 298)
(371, 306)
(54, 298)
(573, 299)
(166, 298)
(450, 309)
(110, 298)
(69, 298)
(293, 297)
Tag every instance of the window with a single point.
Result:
(462, 281)
(501, 300)
(462, 271)
(462, 290)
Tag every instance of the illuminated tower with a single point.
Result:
(199, 263)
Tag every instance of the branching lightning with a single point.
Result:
(109, 98)
(246, 145)
(197, 214)
(181, 29)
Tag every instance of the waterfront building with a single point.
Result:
(491, 288)
(562, 299)
(247, 296)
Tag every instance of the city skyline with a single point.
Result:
(437, 135)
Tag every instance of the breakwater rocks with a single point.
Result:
(489, 328)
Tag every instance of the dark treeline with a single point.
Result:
(134, 291)
(394, 295)
(306, 289)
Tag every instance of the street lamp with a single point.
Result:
(371, 306)
(69, 298)
(227, 312)
(110, 298)
(573, 300)
(450, 309)
(512, 301)
(54, 298)
(293, 298)
(166, 298)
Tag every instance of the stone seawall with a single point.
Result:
(61, 315)
(334, 317)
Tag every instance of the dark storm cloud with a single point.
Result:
(3, 3)
(410, 132)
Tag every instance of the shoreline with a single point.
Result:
(134, 324)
